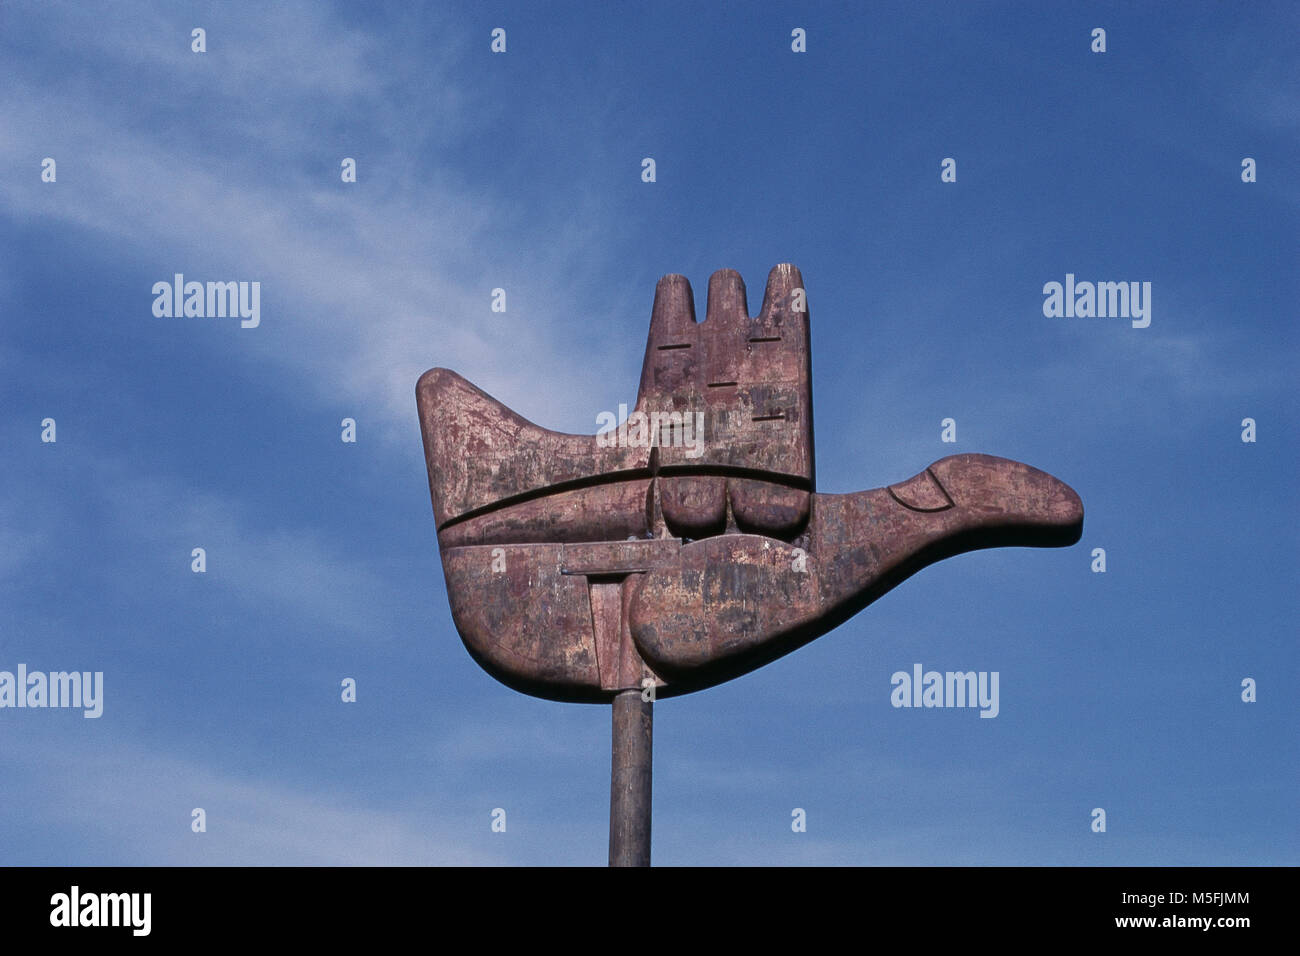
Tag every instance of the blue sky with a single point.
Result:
(522, 171)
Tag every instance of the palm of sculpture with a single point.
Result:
(577, 570)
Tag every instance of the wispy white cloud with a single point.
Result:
(21, 539)
(490, 739)
(153, 522)
(135, 806)
(365, 286)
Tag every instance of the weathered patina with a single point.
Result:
(580, 566)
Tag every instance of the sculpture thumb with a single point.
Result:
(731, 603)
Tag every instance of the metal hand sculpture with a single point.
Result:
(581, 566)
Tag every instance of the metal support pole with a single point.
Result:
(629, 784)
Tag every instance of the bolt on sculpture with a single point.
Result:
(630, 566)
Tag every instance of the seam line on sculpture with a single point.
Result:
(942, 490)
(637, 474)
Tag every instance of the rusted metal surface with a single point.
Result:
(630, 780)
(736, 560)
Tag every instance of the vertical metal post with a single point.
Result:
(629, 784)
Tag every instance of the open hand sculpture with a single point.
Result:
(690, 546)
